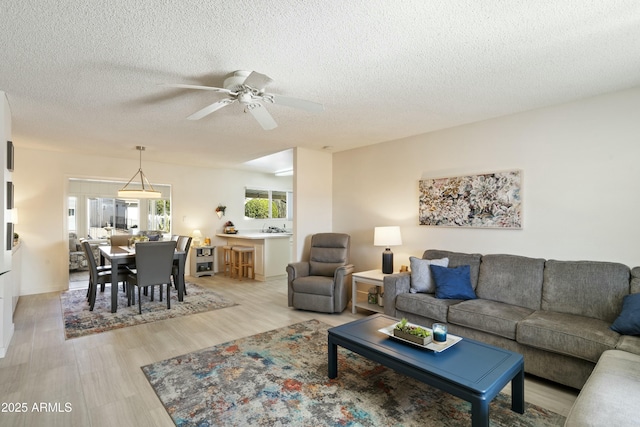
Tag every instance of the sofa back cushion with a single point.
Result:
(635, 281)
(587, 288)
(457, 259)
(511, 279)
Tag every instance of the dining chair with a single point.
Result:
(120, 239)
(154, 264)
(183, 245)
(99, 275)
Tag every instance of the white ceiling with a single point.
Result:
(84, 75)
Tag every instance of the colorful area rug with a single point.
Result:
(279, 378)
(79, 321)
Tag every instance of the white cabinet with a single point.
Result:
(202, 260)
(6, 227)
(272, 252)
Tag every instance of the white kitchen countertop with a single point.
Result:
(255, 235)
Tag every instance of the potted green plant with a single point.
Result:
(220, 210)
(413, 333)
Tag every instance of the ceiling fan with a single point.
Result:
(247, 88)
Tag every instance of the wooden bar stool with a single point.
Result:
(243, 257)
(227, 260)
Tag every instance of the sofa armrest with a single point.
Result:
(394, 285)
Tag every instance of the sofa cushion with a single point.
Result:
(488, 316)
(425, 305)
(456, 259)
(611, 395)
(452, 283)
(628, 322)
(578, 336)
(635, 280)
(586, 288)
(511, 279)
(421, 278)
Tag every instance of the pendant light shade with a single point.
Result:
(146, 191)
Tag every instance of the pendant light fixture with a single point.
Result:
(146, 192)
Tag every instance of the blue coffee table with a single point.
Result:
(470, 370)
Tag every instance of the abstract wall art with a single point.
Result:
(491, 200)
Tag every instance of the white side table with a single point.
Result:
(360, 284)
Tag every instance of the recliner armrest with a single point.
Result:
(297, 269)
(342, 272)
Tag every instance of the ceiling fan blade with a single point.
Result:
(314, 107)
(210, 109)
(262, 116)
(257, 80)
(184, 86)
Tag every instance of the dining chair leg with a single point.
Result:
(139, 301)
(92, 297)
(168, 296)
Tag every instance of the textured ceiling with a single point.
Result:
(83, 75)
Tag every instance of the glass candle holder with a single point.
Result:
(439, 333)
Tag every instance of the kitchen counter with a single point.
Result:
(256, 235)
(272, 251)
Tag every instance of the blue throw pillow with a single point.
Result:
(453, 283)
(628, 323)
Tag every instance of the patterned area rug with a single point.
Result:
(279, 378)
(79, 321)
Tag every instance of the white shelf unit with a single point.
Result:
(360, 284)
(202, 260)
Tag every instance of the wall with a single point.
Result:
(312, 197)
(581, 184)
(41, 179)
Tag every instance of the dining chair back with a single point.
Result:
(183, 245)
(184, 242)
(98, 275)
(120, 239)
(154, 263)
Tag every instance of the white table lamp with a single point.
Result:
(387, 236)
(196, 235)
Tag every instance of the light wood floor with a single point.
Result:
(99, 378)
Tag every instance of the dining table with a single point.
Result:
(122, 255)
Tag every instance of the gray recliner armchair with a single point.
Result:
(324, 282)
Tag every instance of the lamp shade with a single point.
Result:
(387, 236)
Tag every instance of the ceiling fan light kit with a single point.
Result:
(247, 88)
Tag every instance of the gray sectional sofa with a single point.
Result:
(556, 313)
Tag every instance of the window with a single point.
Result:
(72, 222)
(160, 215)
(265, 204)
(107, 214)
(94, 212)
